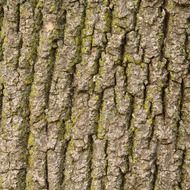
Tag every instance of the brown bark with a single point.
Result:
(94, 94)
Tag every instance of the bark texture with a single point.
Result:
(95, 94)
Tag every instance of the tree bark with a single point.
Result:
(94, 94)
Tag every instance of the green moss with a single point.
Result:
(106, 2)
(147, 106)
(29, 182)
(68, 128)
(171, 5)
(23, 11)
(74, 119)
(5, 40)
(101, 127)
(53, 8)
(187, 155)
(150, 121)
(107, 19)
(85, 50)
(71, 146)
(97, 97)
(128, 58)
(40, 4)
(129, 69)
(98, 86)
(143, 65)
(33, 3)
(101, 132)
(34, 92)
(160, 36)
(101, 64)
(93, 187)
(86, 43)
(31, 140)
(30, 158)
(28, 80)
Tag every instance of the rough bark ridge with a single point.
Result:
(94, 94)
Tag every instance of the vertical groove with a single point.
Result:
(1, 59)
(164, 27)
(182, 89)
(181, 169)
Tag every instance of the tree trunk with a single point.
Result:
(94, 94)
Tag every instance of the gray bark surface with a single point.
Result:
(95, 94)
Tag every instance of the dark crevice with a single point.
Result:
(106, 166)
(131, 109)
(136, 14)
(155, 174)
(52, 60)
(66, 146)
(99, 108)
(115, 94)
(1, 59)
(145, 84)
(46, 171)
(122, 48)
(48, 87)
(19, 52)
(122, 176)
(163, 96)
(186, 43)
(90, 144)
(1, 101)
(182, 90)
(1, 26)
(131, 143)
(152, 129)
(144, 93)
(165, 26)
(111, 9)
(181, 169)
(143, 53)
(18, 18)
(130, 129)
(163, 91)
(181, 99)
(99, 57)
(19, 36)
